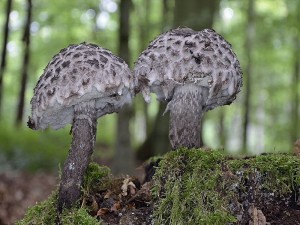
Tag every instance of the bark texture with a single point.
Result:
(186, 110)
(83, 141)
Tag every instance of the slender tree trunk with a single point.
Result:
(124, 156)
(221, 130)
(4, 50)
(198, 15)
(295, 132)
(247, 77)
(24, 77)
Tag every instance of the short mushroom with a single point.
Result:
(194, 72)
(80, 84)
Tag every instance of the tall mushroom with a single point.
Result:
(194, 72)
(80, 84)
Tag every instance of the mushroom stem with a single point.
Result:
(84, 134)
(186, 110)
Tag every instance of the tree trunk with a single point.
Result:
(4, 50)
(26, 40)
(221, 129)
(295, 133)
(124, 157)
(157, 142)
(196, 14)
(247, 77)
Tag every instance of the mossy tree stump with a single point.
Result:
(193, 187)
(207, 187)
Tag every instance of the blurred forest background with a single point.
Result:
(265, 34)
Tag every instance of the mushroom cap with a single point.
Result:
(80, 73)
(183, 56)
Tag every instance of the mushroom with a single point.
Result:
(80, 84)
(194, 72)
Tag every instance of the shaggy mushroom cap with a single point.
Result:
(184, 56)
(80, 73)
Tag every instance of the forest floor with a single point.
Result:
(128, 200)
(19, 190)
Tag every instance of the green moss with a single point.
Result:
(44, 213)
(97, 178)
(197, 187)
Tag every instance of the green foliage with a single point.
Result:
(32, 150)
(195, 187)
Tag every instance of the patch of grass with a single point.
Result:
(198, 187)
(30, 150)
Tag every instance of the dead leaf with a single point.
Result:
(257, 216)
(116, 207)
(101, 212)
(128, 185)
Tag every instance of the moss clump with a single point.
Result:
(45, 213)
(42, 213)
(208, 187)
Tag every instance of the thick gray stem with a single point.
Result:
(186, 110)
(84, 135)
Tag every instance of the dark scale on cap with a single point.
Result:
(57, 70)
(152, 56)
(68, 54)
(77, 55)
(103, 59)
(54, 61)
(54, 78)
(90, 52)
(119, 59)
(47, 75)
(85, 81)
(178, 42)
(65, 64)
(51, 92)
(198, 59)
(93, 62)
(190, 44)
